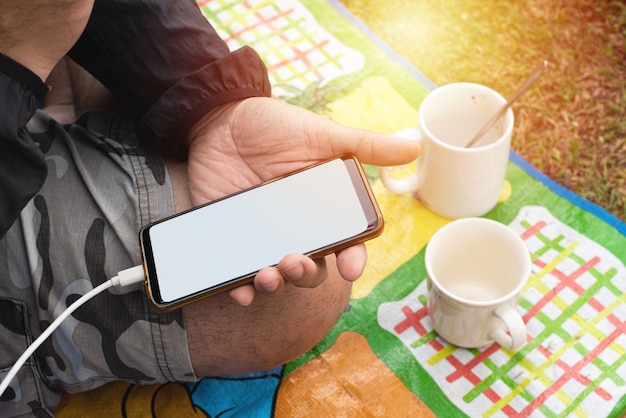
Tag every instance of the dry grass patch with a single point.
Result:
(572, 124)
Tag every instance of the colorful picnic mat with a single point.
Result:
(383, 358)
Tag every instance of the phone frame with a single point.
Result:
(366, 198)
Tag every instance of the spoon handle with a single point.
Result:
(521, 90)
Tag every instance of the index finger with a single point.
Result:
(371, 147)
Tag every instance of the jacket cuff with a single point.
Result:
(239, 75)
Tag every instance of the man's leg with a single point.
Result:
(77, 232)
(226, 338)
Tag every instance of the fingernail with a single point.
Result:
(270, 287)
(294, 271)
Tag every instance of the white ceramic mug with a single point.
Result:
(476, 270)
(452, 180)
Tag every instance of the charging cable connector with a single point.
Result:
(124, 278)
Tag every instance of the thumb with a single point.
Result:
(372, 147)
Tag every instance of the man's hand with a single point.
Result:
(248, 142)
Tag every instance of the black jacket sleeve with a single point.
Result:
(167, 64)
(22, 165)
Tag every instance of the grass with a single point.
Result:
(572, 124)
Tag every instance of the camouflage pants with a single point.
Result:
(81, 229)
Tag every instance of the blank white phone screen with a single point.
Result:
(237, 236)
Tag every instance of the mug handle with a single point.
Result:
(407, 184)
(515, 325)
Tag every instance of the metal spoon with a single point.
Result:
(529, 82)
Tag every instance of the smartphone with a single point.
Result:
(223, 244)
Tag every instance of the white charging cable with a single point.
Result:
(124, 278)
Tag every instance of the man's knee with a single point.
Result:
(226, 338)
